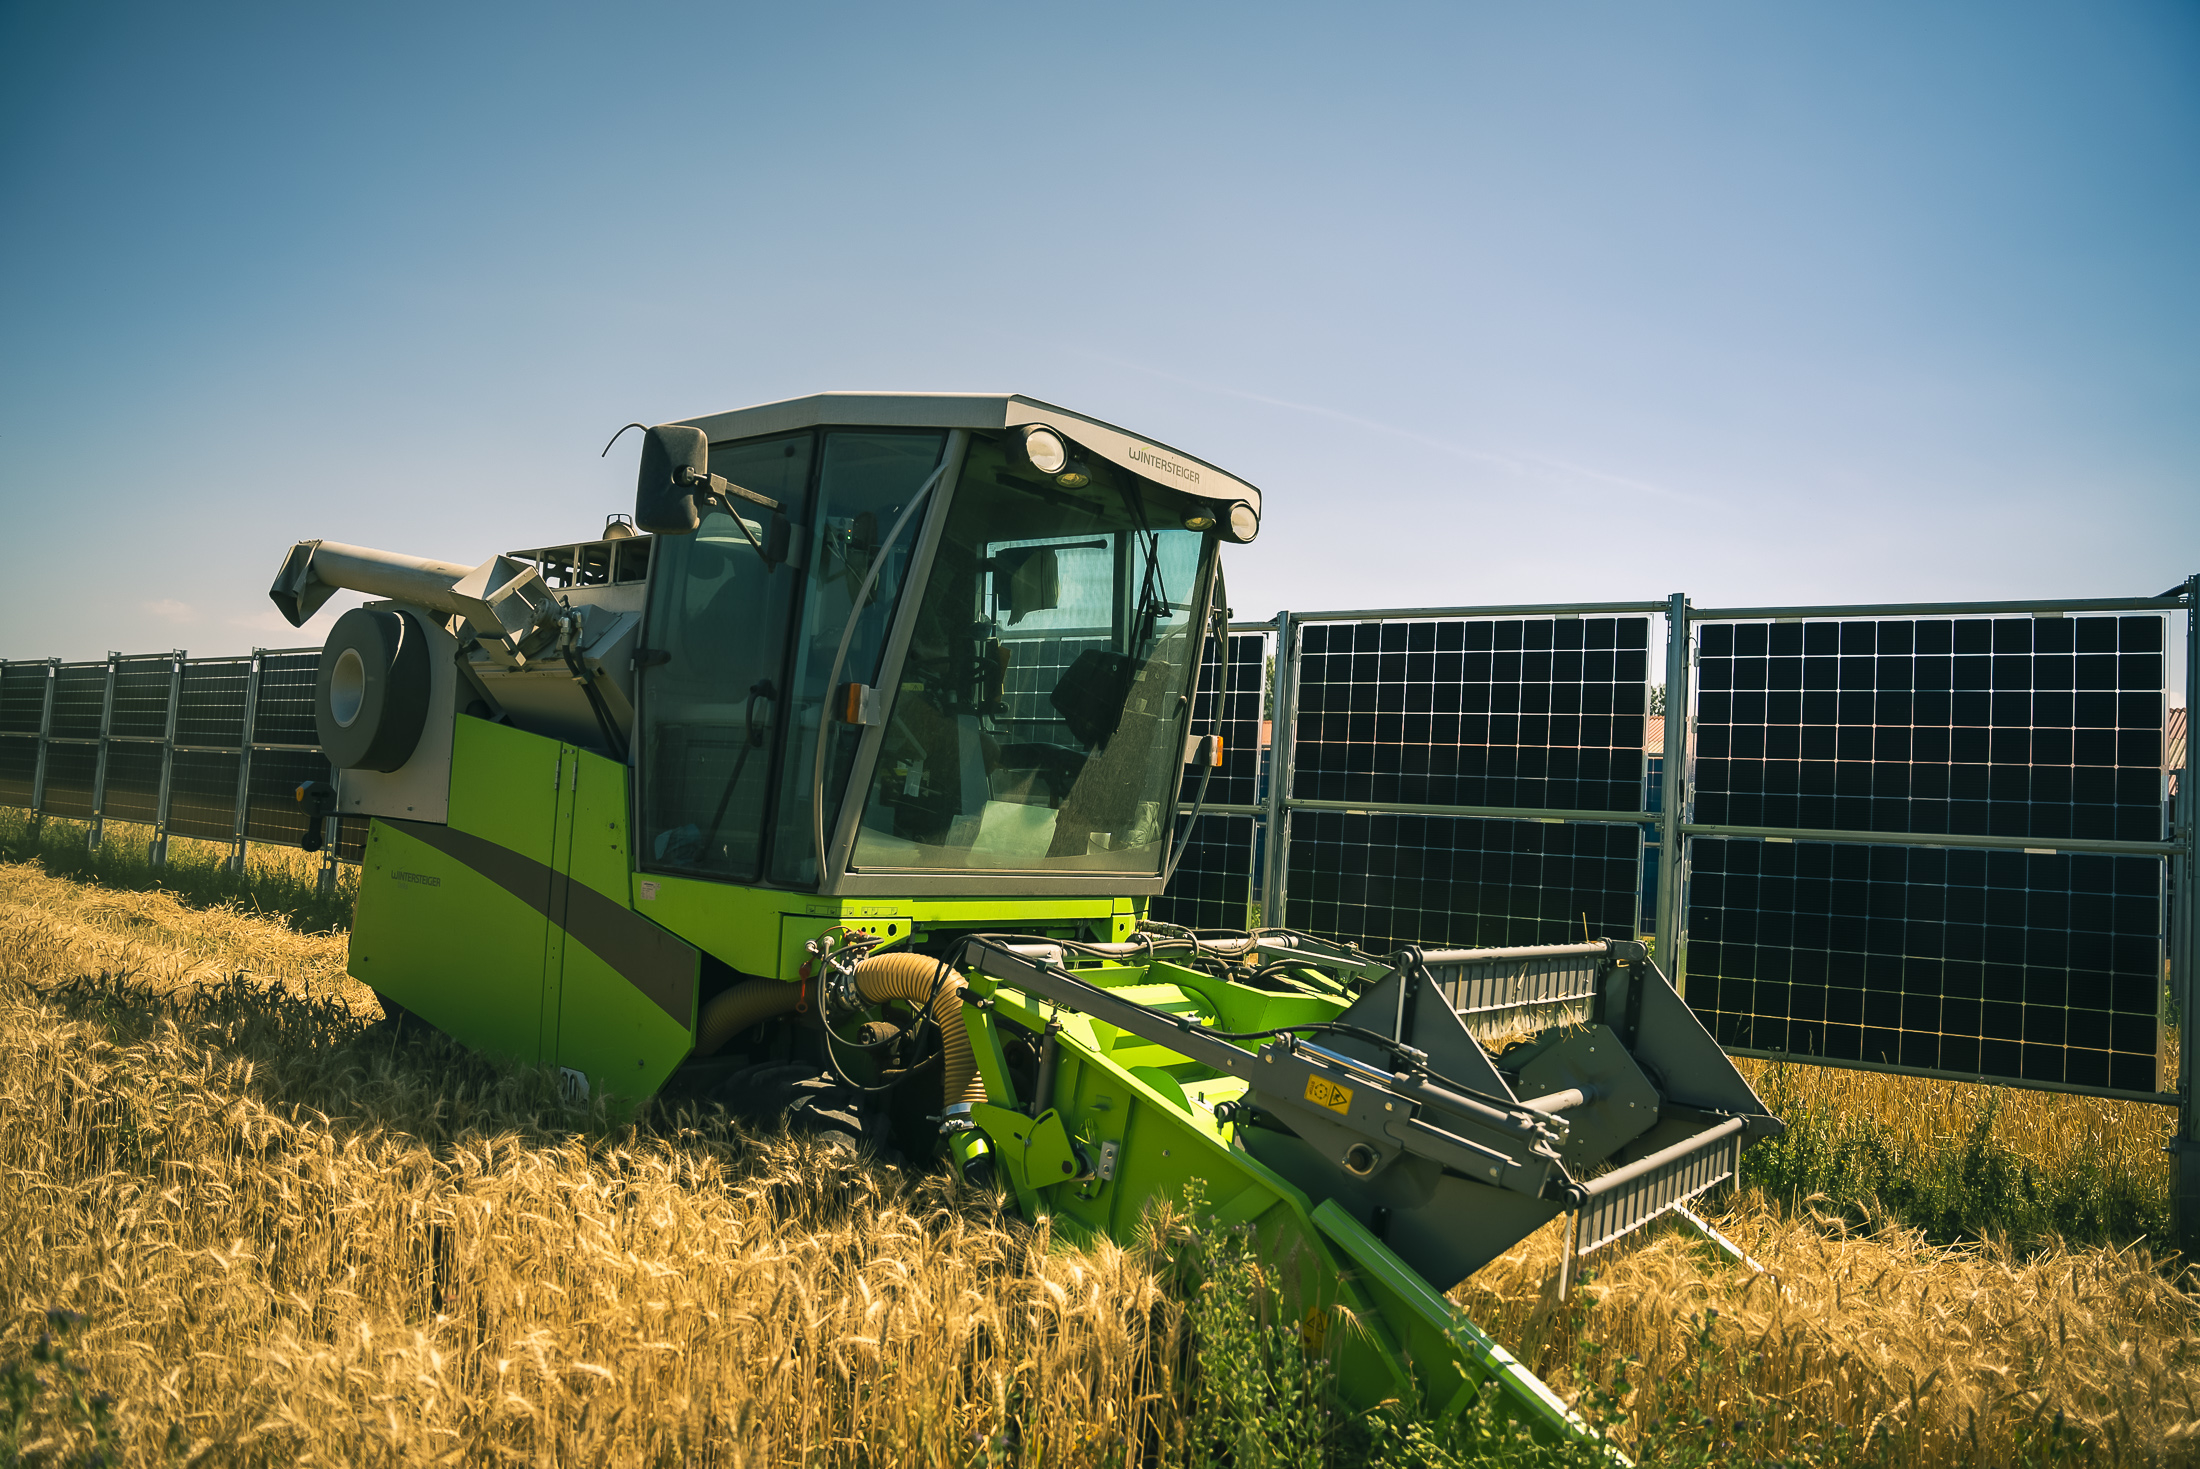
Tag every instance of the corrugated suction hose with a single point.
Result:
(912, 977)
(899, 976)
(746, 1004)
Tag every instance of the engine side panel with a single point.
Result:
(627, 989)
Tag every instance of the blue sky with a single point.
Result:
(1496, 302)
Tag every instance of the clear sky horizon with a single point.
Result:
(1496, 303)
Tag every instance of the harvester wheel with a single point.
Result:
(808, 1101)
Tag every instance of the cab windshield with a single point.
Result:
(1039, 719)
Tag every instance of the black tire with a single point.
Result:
(370, 697)
(807, 1101)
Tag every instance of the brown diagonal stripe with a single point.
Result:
(644, 955)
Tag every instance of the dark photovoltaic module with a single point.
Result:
(1543, 713)
(2035, 966)
(1213, 886)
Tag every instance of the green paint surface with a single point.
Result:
(618, 1037)
(450, 945)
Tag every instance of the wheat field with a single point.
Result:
(237, 1226)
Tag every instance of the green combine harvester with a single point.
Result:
(836, 787)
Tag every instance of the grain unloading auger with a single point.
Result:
(839, 793)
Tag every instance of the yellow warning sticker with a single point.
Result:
(1325, 1093)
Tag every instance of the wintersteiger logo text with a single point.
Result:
(1166, 466)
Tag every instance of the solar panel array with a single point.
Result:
(2024, 965)
(203, 767)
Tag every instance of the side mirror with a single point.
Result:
(1030, 580)
(675, 459)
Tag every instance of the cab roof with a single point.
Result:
(1149, 458)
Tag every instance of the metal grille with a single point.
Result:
(1483, 986)
(1612, 1215)
(1386, 880)
(1521, 712)
(1213, 886)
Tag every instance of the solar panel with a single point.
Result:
(1382, 881)
(2025, 965)
(1213, 885)
(1543, 713)
(1523, 712)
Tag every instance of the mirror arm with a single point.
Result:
(719, 485)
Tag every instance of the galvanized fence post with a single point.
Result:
(1283, 702)
(99, 767)
(156, 853)
(1673, 793)
(45, 734)
(2184, 960)
(244, 761)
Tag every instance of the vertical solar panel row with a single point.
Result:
(22, 703)
(1540, 713)
(208, 754)
(2028, 966)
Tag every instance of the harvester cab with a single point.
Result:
(837, 786)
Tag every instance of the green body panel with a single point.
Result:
(618, 1037)
(762, 931)
(1144, 1116)
(511, 928)
(482, 941)
(505, 786)
(450, 944)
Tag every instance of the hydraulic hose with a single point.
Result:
(746, 1004)
(923, 981)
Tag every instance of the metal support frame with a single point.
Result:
(1283, 718)
(45, 736)
(1672, 924)
(99, 768)
(244, 760)
(156, 852)
(2184, 958)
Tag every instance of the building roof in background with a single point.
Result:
(2174, 753)
(1653, 734)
